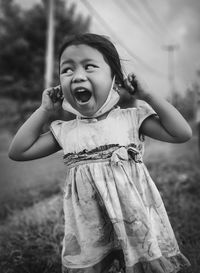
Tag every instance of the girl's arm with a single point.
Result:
(169, 125)
(29, 142)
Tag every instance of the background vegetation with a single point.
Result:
(22, 55)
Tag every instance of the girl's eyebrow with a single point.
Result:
(68, 61)
(71, 61)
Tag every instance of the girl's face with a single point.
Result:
(85, 78)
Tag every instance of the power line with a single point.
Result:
(127, 8)
(107, 27)
(132, 6)
(154, 16)
(129, 12)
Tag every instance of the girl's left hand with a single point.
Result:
(52, 98)
(135, 88)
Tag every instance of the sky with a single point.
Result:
(143, 31)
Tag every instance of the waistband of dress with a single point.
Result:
(113, 153)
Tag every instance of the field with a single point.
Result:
(31, 219)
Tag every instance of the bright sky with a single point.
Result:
(141, 30)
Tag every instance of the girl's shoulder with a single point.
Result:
(59, 122)
(118, 111)
(138, 113)
(57, 126)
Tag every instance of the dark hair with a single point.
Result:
(103, 45)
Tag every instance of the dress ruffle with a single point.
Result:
(161, 265)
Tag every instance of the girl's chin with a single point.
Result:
(87, 112)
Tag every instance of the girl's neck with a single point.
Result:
(104, 116)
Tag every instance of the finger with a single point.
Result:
(133, 81)
(51, 93)
(129, 87)
(57, 89)
(134, 84)
(131, 77)
(127, 83)
(58, 92)
(48, 92)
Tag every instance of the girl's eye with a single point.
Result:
(67, 70)
(90, 66)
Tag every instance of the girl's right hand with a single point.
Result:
(52, 99)
(137, 88)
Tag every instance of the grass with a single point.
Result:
(26, 198)
(178, 180)
(26, 183)
(31, 239)
(31, 235)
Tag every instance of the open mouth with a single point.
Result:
(82, 95)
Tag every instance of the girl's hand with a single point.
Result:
(52, 99)
(135, 88)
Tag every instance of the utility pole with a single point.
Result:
(49, 62)
(171, 70)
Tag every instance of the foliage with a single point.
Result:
(177, 177)
(187, 104)
(23, 42)
(35, 243)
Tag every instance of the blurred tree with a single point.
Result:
(198, 109)
(23, 38)
(186, 104)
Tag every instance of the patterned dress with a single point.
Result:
(112, 208)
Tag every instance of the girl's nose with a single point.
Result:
(79, 76)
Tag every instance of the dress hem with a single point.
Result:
(163, 264)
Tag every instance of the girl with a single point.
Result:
(112, 207)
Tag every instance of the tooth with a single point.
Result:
(80, 90)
